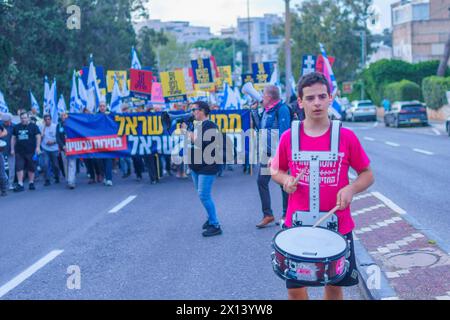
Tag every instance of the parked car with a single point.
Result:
(361, 110)
(447, 126)
(406, 113)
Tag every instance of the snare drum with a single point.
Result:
(310, 256)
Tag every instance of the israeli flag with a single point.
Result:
(91, 104)
(34, 104)
(135, 64)
(92, 82)
(3, 106)
(329, 74)
(274, 80)
(82, 93)
(125, 92)
(74, 102)
(293, 86)
(115, 97)
(230, 101)
(237, 94)
(46, 95)
(52, 105)
(62, 107)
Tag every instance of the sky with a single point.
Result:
(219, 14)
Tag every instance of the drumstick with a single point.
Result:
(326, 216)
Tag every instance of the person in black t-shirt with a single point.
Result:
(25, 143)
(204, 170)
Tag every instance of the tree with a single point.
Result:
(444, 61)
(35, 41)
(336, 24)
(173, 55)
(149, 41)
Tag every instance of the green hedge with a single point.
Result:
(434, 91)
(404, 90)
(381, 73)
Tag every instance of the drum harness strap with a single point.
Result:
(308, 218)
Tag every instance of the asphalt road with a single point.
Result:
(153, 248)
(150, 249)
(412, 168)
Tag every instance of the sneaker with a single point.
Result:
(108, 183)
(205, 225)
(46, 183)
(31, 186)
(18, 188)
(212, 231)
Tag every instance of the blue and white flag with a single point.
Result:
(3, 106)
(115, 97)
(125, 92)
(328, 71)
(293, 86)
(135, 64)
(230, 101)
(74, 102)
(52, 104)
(34, 104)
(274, 79)
(91, 106)
(82, 93)
(92, 82)
(62, 107)
(46, 96)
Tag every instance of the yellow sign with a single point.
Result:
(120, 75)
(173, 85)
(225, 76)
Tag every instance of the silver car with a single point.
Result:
(361, 110)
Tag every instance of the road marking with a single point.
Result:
(389, 203)
(424, 152)
(436, 131)
(358, 212)
(122, 204)
(375, 124)
(24, 275)
(392, 144)
(369, 139)
(362, 196)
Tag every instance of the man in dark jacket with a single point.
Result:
(274, 120)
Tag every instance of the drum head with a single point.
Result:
(310, 243)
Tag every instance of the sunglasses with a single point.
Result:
(195, 109)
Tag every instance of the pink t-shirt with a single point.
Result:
(334, 174)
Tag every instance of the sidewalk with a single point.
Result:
(413, 265)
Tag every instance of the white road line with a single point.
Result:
(28, 272)
(369, 139)
(122, 204)
(424, 152)
(375, 124)
(389, 203)
(392, 144)
(436, 131)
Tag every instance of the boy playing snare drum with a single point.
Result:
(335, 190)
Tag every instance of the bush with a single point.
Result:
(434, 91)
(381, 73)
(404, 90)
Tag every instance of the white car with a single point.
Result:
(361, 110)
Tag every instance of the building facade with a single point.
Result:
(420, 29)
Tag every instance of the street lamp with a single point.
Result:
(287, 44)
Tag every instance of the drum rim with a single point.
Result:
(291, 257)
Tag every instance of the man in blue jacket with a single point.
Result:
(275, 119)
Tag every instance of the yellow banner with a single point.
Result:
(225, 76)
(173, 83)
(120, 74)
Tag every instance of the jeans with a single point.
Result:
(264, 193)
(152, 166)
(125, 165)
(70, 166)
(203, 185)
(50, 158)
(3, 177)
(107, 165)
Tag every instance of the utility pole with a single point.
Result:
(287, 40)
(363, 58)
(249, 38)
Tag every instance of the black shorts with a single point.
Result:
(350, 279)
(25, 162)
